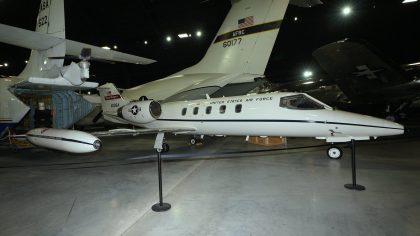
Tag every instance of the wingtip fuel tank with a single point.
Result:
(73, 141)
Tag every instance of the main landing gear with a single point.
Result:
(196, 140)
(165, 147)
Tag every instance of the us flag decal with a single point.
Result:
(246, 22)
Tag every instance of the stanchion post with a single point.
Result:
(160, 206)
(354, 185)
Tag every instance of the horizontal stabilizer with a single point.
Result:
(27, 39)
(39, 41)
(74, 48)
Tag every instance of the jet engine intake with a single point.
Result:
(141, 112)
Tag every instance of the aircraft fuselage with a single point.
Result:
(272, 114)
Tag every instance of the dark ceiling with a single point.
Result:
(390, 26)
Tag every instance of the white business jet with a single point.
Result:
(45, 70)
(271, 114)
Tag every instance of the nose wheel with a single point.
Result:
(334, 152)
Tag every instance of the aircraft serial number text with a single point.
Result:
(42, 21)
(232, 42)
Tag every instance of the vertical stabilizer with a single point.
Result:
(111, 99)
(244, 41)
(50, 21)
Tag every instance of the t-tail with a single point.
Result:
(246, 38)
(50, 21)
(111, 100)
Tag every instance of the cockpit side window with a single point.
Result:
(300, 102)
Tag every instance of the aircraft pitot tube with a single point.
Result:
(141, 112)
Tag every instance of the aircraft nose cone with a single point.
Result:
(394, 127)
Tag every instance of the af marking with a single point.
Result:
(44, 5)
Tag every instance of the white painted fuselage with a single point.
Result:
(265, 115)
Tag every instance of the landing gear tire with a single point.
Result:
(165, 147)
(334, 152)
(193, 141)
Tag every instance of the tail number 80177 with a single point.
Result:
(232, 42)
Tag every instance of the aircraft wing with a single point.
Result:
(39, 41)
(363, 74)
(135, 132)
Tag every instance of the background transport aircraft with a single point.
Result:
(270, 114)
(359, 78)
(44, 70)
(369, 78)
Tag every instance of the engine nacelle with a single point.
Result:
(141, 112)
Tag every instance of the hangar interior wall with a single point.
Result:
(56, 109)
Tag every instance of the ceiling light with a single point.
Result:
(168, 38)
(408, 1)
(198, 33)
(106, 47)
(307, 73)
(346, 10)
(184, 35)
(145, 42)
(309, 82)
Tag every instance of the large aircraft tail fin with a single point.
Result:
(50, 21)
(111, 99)
(246, 38)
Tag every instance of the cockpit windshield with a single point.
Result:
(300, 102)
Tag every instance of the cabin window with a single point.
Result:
(238, 108)
(208, 110)
(300, 102)
(222, 109)
(195, 111)
(184, 111)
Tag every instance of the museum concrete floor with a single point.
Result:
(212, 189)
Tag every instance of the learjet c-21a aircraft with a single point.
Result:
(270, 114)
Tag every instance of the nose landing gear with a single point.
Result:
(334, 152)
